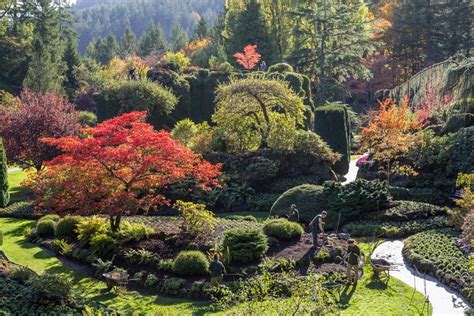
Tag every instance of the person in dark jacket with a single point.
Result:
(217, 271)
(352, 255)
(317, 227)
(293, 215)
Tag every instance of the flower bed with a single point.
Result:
(435, 252)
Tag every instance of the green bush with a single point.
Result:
(66, 227)
(322, 257)
(87, 119)
(261, 201)
(407, 210)
(91, 226)
(245, 244)
(356, 198)
(134, 231)
(151, 280)
(283, 229)
(421, 194)
(54, 288)
(4, 194)
(247, 218)
(140, 257)
(49, 217)
(333, 125)
(103, 245)
(173, 286)
(21, 274)
(191, 263)
(165, 265)
(45, 228)
(281, 67)
(19, 210)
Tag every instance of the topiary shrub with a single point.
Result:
(245, 244)
(66, 227)
(280, 67)
(45, 228)
(191, 263)
(4, 195)
(283, 229)
(333, 125)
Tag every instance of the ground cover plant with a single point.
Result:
(436, 252)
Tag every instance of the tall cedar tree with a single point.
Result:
(45, 68)
(118, 168)
(38, 115)
(331, 37)
(152, 40)
(179, 38)
(72, 59)
(201, 31)
(128, 43)
(4, 195)
(249, 27)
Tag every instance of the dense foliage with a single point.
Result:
(283, 229)
(109, 171)
(436, 253)
(191, 263)
(4, 194)
(245, 244)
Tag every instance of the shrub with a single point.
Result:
(102, 266)
(196, 220)
(191, 263)
(151, 280)
(61, 246)
(66, 227)
(245, 244)
(406, 210)
(45, 228)
(184, 131)
(91, 226)
(173, 286)
(21, 274)
(333, 125)
(283, 229)
(19, 210)
(52, 217)
(134, 231)
(261, 201)
(226, 68)
(422, 194)
(165, 265)
(281, 67)
(322, 257)
(247, 218)
(87, 119)
(140, 256)
(50, 287)
(103, 245)
(358, 197)
(4, 194)
(310, 143)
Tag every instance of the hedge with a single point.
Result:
(4, 195)
(19, 210)
(333, 125)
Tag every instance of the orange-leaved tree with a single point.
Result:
(249, 58)
(117, 168)
(392, 131)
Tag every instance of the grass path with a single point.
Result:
(30, 255)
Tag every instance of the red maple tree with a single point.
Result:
(249, 58)
(117, 168)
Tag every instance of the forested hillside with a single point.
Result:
(100, 18)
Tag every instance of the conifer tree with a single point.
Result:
(105, 49)
(4, 195)
(46, 68)
(331, 37)
(201, 30)
(128, 43)
(179, 38)
(249, 27)
(72, 59)
(152, 40)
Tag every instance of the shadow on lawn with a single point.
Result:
(346, 295)
(17, 231)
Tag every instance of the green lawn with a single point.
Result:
(17, 192)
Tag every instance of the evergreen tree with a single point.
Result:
(249, 27)
(152, 40)
(4, 195)
(105, 49)
(201, 30)
(128, 43)
(331, 37)
(72, 59)
(179, 38)
(278, 12)
(46, 68)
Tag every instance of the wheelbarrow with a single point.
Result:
(116, 279)
(382, 267)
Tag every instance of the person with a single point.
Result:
(293, 215)
(217, 271)
(131, 74)
(317, 226)
(353, 255)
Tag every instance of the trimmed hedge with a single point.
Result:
(66, 227)
(283, 229)
(354, 199)
(4, 195)
(245, 244)
(333, 125)
(191, 263)
(19, 210)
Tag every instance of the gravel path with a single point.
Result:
(444, 300)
